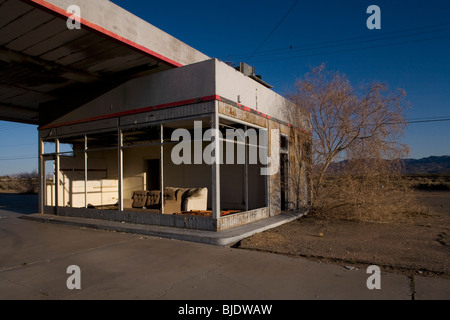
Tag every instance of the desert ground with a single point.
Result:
(419, 245)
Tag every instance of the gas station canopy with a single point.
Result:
(48, 69)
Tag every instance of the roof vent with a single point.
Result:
(249, 71)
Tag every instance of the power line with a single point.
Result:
(348, 42)
(19, 158)
(356, 49)
(426, 121)
(407, 121)
(12, 126)
(17, 145)
(421, 120)
(365, 38)
(429, 118)
(275, 28)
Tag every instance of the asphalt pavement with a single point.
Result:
(35, 258)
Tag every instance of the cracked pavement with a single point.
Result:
(34, 258)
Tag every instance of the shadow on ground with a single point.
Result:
(19, 203)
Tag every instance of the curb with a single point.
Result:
(222, 238)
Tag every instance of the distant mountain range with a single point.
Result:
(429, 165)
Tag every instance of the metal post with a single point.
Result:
(216, 167)
(246, 170)
(120, 167)
(57, 167)
(85, 171)
(42, 178)
(161, 139)
(268, 200)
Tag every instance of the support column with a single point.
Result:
(85, 171)
(57, 167)
(268, 200)
(120, 167)
(216, 166)
(246, 148)
(161, 166)
(42, 184)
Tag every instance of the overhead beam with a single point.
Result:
(11, 56)
(18, 114)
(22, 88)
(19, 120)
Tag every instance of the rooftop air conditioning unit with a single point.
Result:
(246, 69)
(249, 71)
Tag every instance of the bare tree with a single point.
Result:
(356, 148)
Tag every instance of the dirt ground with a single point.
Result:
(419, 246)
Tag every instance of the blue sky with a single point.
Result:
(411, 51)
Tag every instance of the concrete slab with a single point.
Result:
(117, 265)
(431, 288)
(222, 238)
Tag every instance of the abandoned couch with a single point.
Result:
(175, 199)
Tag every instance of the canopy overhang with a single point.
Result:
(48, 69)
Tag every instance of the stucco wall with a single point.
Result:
(205, 79)
(235, 86)
(171, 86)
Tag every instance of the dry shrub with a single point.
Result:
(356, 154)
(379, 199)
(27, 182)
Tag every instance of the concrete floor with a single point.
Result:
(34, 258)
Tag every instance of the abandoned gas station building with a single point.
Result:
(113, 100)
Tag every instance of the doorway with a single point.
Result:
(284, 177)
(284, 172)
(153, 174)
